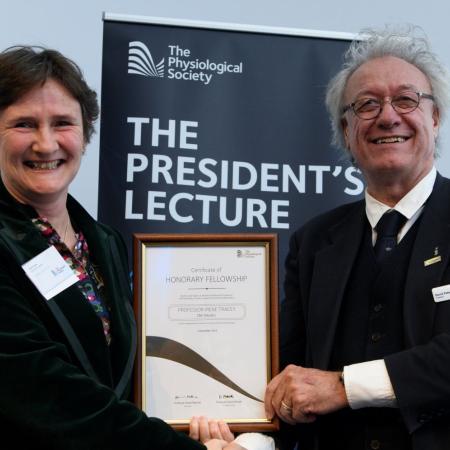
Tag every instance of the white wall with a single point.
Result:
(75, 28)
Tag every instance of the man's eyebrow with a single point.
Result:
(409, 87)
(402, 87)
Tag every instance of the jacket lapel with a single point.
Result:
(432, 241)
(69, 308)
(106, 255)
(75, 316)
(332, 268)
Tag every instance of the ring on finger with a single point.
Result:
(286, 407)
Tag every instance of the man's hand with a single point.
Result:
(298, 394)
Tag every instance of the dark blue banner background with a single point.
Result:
(191, 150)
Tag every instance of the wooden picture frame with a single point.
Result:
(206, 307)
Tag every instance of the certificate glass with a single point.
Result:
(206, 307)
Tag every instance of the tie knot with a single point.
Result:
(390, 224)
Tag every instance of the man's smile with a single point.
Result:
(389, 139)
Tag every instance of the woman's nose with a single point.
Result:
(45, 140)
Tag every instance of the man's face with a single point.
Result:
(392, 146)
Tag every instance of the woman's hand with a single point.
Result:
(215, 434)
(203, 430)
(217, 444)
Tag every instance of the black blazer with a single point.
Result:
(61, 387)
(318, 267)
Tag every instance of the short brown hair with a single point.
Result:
(24, 67)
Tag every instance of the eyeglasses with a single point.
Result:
(367, 108)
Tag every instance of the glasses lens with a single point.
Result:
(405, 101)
(367, 108)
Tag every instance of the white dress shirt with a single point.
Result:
(367, 384)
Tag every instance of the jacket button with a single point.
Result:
(424, 417)
(378, 307)
(375, 444)
(375, 337)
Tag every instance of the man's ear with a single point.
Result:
(436, 122)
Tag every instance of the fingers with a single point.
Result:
(214, 430)
(203, 430)
(300, 416)
(225, 431)
(199, 429)
(194, 430)
(285, 412)
(271, 390)
(282, 397)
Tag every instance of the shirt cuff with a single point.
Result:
(368, 384)
(255, 441)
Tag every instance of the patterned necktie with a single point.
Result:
(387, 229)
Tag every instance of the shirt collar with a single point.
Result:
(408, 205)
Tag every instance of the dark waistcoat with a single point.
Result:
(370, 327)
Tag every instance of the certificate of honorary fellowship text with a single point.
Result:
(206, 326)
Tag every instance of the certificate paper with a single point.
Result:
(206, 330)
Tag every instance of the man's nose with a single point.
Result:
(388, 116)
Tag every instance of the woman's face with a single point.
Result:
(41, 144)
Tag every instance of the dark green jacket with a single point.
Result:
(61, 387)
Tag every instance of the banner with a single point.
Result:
(214, 129)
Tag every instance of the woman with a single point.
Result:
(66, 349)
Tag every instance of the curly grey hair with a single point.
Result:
(408, 43)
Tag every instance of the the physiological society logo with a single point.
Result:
(178, 64)
(140, 61)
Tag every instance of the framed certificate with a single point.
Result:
(207, 315)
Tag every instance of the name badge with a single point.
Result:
(441, 293)
(49, 273)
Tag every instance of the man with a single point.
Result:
(365, 323)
